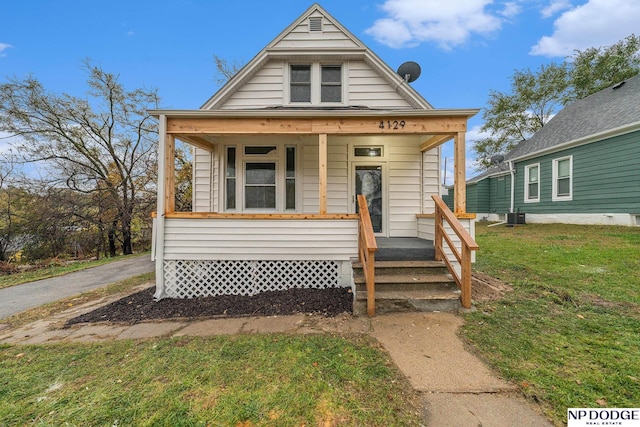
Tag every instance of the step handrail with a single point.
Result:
(367, 247)
(468, 244)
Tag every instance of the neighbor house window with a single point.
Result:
(532, 183)
(300, 83)
(563, 178)
(331, 83)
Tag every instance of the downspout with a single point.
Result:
(512, 171)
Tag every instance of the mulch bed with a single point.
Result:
(141, 306)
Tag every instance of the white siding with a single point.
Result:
(337, 177)
(330, 37)
(310, 183)
(264, 89)
(202, 180)
(368, 88)
(242, 239)
(430, 178)
(404, 188)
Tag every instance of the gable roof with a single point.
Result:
(349, 47)
(611, 111)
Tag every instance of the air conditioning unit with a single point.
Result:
(515, 218)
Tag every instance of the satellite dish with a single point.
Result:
(498, 158)
(409, 71)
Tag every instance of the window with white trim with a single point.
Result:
(562, 179)
(260, 178)
(532, 183)
(300, 83)
(316, 83)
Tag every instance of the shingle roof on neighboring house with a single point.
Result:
(498, 169)
(606, 110)
(612, 108)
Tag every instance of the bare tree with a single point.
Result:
(225, 70)
(103, 144)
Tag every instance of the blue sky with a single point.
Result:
(466, 48)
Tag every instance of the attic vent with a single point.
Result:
(315, 24)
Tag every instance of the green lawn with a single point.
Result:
(242, 380)
(569, 333)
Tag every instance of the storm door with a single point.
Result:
(369, 183)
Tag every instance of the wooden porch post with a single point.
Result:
(170, 174)
(322, 171)
(460, 194)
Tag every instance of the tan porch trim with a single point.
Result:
(459, 216)
(459, 168)
(322, 172)
(214, 215)
(169, 174)
(396, 124)
(435, 141)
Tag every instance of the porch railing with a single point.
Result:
(367, 248)
(463, 256)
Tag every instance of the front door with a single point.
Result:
(369, 183)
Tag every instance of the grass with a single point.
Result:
(53, 271)
(568, 333)
(241, 380)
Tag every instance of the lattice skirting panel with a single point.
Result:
(189, 278)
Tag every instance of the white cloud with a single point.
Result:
(596, 23)
(511, 9)
(448, 24)
(554, 7)
(3, 47)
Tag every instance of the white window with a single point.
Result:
(316, 84)
(532, 183)
(562, 179)
(260, 178)
(300, 78)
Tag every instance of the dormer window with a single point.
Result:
(315, 83)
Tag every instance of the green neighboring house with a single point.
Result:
(582, 167)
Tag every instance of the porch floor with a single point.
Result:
(404, 249)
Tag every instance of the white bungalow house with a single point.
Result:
(281, 154)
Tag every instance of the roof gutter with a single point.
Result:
(308, 113)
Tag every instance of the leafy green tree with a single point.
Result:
(594, 69)
(515, 116)
(534, 97)
(104, 143)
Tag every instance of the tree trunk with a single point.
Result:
(111, 235)
(127, 247)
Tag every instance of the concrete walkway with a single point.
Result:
(28, 295)
(456, 387)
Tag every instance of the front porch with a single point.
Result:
(275, 204)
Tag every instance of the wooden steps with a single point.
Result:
(403, 286)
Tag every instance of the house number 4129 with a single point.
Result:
(391, 124)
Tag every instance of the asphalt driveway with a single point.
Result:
(28, 295)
